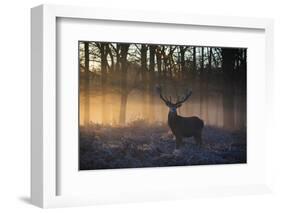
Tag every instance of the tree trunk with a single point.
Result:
(182, 61)
(143, 62)
(164, 62)
(159, 63)
(87, 85)
(152, 61)
(194, 67)
(109, 52)
(228, 62)
(210, 60)
(202, 60)
(124, 92)
(202, 82)
(144, 79)
(103, 53)
(170, 60)
(118, 58)
(194, 58)
(152, 49)
(206, 83)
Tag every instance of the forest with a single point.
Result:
(123, 122)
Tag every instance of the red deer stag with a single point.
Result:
(182, 126)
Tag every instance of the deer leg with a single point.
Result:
(178, 142)
(198, 139)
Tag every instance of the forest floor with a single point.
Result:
(144, 145)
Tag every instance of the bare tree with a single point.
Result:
(202, 81)
(159, 62)
(103, 47)
(228, 64)
(194, 67)
(182, 61)
(152, 52)
(87, 85)
(124, 93)
(143, 52)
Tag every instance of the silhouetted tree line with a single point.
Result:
(124, 67)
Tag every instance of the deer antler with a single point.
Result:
(167, 101)
(159, 91)
(187, 95)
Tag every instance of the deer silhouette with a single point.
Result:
(180, 126)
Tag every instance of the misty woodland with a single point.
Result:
(150, 105)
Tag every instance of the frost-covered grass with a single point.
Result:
(145, 145)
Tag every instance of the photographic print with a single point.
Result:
(156, 105)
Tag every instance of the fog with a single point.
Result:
(105, 108)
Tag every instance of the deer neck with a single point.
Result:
(172, 117)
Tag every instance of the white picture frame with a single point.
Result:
(44, 154)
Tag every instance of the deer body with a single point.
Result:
(183, 127)
(180, 126)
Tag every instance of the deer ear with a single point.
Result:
(179, 105)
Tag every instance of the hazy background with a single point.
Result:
(117, 83)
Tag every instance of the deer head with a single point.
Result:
(173, 106)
